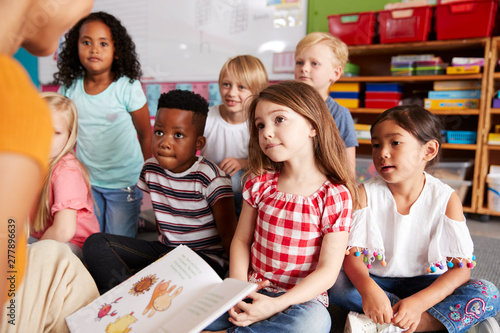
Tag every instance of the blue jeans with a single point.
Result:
(118, 210)
(469, 304)
(307, 317)
(111, 259)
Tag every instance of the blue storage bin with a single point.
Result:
(344, 94)
(386, 87)
(462, 137)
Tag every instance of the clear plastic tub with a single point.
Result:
(453, 169)
(364, 168)
(460, 186)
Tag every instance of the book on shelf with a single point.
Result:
(179, 292)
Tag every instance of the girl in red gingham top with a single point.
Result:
(296, 216)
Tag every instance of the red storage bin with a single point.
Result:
(353, 29)
(405, 25)
(467, 19)
(381, 103)
(374, 95)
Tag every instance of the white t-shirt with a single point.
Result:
(411, 243)
(224, 139)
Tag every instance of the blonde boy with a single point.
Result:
(319, 61)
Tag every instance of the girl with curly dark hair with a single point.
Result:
(100, 71)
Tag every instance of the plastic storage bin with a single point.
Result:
(454, 169)
(384, 87)
(381, 103)
(364, 168)
(353, 29)
(405, 25)
(383, 95)
(460, 186)
(462, 137)
(493, 181)
(467, 19)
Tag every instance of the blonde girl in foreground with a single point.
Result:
(296, 214)
(65, 210)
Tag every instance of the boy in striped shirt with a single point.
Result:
(192, 198)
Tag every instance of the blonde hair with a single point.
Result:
(329, 148)
(248, 70)
(340, 53)
(62, 104)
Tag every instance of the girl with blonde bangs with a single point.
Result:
(248, 70)
(226, 130)
(65, 209)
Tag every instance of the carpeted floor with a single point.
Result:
(487, 252)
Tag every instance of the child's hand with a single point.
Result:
(262, 284)
(230, 166)
(377, 306)
(262, 307)
(408, 314)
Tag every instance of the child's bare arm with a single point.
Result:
(376, 304)
(64, 227)
(142, 125)
(225, 220)
(325, 275)
(242, 240)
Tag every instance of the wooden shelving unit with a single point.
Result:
(490, 154)
(374, 61)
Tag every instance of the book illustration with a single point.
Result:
(121, 324)
(105, 310)
(181, 286)
(143, 285)
(161, 298)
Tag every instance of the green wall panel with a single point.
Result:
(318, 10)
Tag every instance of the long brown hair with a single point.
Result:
(58, 103)
(329, 148)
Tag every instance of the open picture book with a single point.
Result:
(178, 293)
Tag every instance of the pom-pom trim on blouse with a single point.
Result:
(372, 255)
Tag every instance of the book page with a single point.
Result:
(209, 307)
(150, 298)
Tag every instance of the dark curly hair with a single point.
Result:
(125, 64)
(189, 101)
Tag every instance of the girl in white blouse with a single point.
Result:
(409, 254)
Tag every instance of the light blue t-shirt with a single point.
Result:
(107, 141)
(343, 119)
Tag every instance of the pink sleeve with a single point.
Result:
(69, 190)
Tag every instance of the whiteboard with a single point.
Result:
(190, 40)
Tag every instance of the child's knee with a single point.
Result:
(94, 244)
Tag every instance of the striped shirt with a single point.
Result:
(183, 203)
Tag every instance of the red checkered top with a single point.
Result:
(290, 228)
